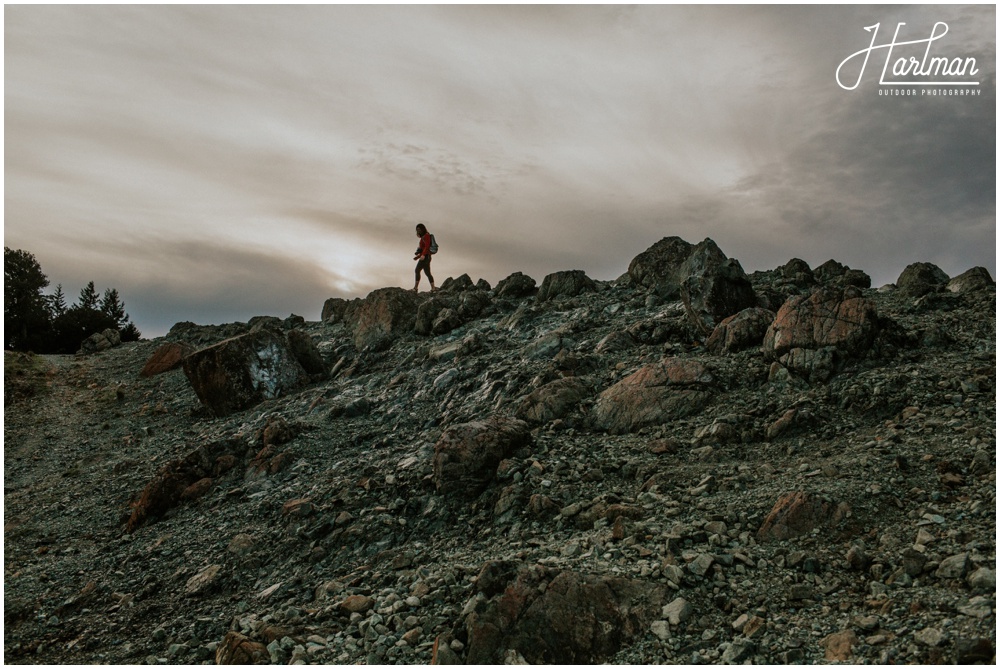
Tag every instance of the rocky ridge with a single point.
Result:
(686, 465)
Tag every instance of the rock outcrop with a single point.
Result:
(466, 456)
(565, 284)
(977, 278)
(101, 341)
(654, 395)
(921, 278)
(712, 286)
(384, 314)
(740, 331)
(812, 333)
(515, 286)
(240, 372)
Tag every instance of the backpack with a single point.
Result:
(434, 245)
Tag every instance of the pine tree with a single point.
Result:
(88, 297)
(57, 302)
(113, 307)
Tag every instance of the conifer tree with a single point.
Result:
(113, 307)
(57, 302)
(88, 297)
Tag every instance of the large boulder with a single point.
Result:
(712, 286)
(240, 372)
(740, 331)
(101, 341)
(833, 274)
(466, 456)
(516, 285)
(337, 309)
(654, 395)
(569, 283)
(660, 267)
(444, 312)
(921, 278)
(796, 272)
(383, 315)
(812, 333)
(553, 400)
(977, 278)
(561, 617)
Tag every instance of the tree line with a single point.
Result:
(34, 321)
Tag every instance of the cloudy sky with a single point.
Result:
(214, 163)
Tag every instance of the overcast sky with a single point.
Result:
(214, 163)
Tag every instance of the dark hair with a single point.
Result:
(421, 228)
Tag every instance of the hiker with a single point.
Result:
(423, 256)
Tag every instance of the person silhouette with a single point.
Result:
(423, 257)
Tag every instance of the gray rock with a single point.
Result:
(983, 580)
(955, 566)
(921, 278)
(677, 611)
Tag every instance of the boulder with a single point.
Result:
(553, 400)
(839, 646)
(653, 395)
(451, 285)
(336, 309)
(429, 310)
(977, 278)
(921, 278)
(101, 341)
(798, 513)
(740, 331)
(714, 286)
(835, 275)
(168, 487)
(796, 272)
(569, 283)
(167, 357)
(811, 332)
(562, 617)
(383, 315)
(240, 372)
(236, 648)
(516, 285)
(466, 456)
(660, 267)
(444, 312)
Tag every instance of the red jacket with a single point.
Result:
(424, 250)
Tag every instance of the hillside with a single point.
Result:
(578, 471)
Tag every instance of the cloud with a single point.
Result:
(307, 141)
